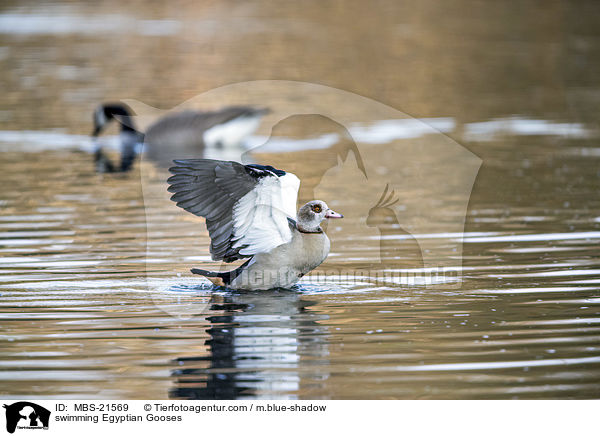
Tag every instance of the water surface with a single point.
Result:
(96, 298)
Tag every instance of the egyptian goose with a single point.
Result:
(184, 134)
(250, 212)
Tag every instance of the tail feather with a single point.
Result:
(221, 278)
(214, 277)
(204, 272)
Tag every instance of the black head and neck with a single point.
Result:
(107, 112)
(120, 112)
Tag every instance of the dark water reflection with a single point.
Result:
(96, 298)
(258, 346)
(80, 319)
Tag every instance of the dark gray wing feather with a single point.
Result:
(210, 189)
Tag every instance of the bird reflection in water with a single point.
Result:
(258, 343)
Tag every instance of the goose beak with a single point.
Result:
(332, 214)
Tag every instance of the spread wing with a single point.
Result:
(246, 206)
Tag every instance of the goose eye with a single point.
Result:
(316, 208)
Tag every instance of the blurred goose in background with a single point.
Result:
(183, 134)
(250, 212)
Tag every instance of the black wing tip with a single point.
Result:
(189, 161)
(255, 170)
(259, 171)
(193, 163)
(185, 163)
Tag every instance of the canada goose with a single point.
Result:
(250, 212)
(184, 134)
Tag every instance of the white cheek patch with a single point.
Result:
(100, 117)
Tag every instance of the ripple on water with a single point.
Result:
(90, 311)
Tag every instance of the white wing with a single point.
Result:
(290, 185)
(246, 206)
(261, 217)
